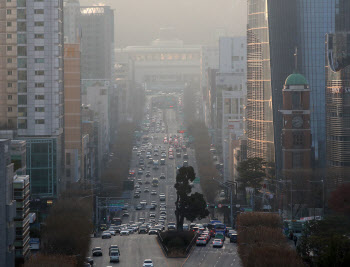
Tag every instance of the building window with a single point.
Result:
(9, 97)
(9, 48)
(22, 51)
(22, 112)
(40, 121)
(22, 75)
(21, 14)
(39, 11)
(67, 158)
(9, 72)
(9, 109)
(39, 97)
(39, 48)
(22, 62)
(39, 85)
(9, 24)
(39, 36)
(39, 60)
(22, 87)
(9, 60)
(22, 100)
(296, 100)
(39, 72)
(298, 139)
(9, 84)
(39, 23)
(8, 11)
(9, 36)
(21, 26)
(22, 123)
(39, 109)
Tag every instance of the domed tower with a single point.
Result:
(296, 132)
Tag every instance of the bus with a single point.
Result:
(220, 228)
(117, 221)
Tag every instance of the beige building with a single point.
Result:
(8, 64)
(72, 114)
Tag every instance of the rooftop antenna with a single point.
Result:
(296, 59)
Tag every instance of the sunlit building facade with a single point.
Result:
(271, 42)
(8, 64)
(338, 97)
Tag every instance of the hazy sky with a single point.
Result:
(138, 21)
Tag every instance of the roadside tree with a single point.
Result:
(188, 206)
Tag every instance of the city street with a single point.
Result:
(135, 248)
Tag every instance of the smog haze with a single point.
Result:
(137, 22)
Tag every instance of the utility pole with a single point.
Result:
(229, 185)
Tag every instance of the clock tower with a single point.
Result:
(296, 132)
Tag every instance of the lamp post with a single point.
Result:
(229, 185)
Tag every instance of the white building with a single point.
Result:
(95, 94)
(231, 92)
(40, 91)
(166, 64)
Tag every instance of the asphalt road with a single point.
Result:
(135, 248)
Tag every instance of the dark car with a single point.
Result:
(233, 238)
(97, 251)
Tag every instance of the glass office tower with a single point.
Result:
(270, 54)
(338, 97)
(315, 18)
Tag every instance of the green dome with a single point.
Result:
(296, 79)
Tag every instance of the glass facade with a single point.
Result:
(42, 162)
(338, 97)
(315, 18)
(270, 50)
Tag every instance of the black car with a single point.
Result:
(233, 238)
(136, 196)
(89, 260)
(97, 251)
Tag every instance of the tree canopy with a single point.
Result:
(188, 206)
(251, 172)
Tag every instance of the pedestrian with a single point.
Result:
(295, 239)
(291, 235)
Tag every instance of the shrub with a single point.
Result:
(262, 243)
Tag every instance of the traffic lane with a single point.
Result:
(214, 257)
(134, 249)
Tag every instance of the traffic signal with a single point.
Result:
(229, 206)
(216, 207)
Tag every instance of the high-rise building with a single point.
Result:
(338, 97)
(72, 114)
(71, 12)
(314, 20)
(8, 64)
(271, 42)
(40, 91)
(97, 42)
(21, 193)
(7, 206)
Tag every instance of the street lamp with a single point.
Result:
(229, 185)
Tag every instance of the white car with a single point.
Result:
(147, 263)
(114, 256)
(106, 234)
(124, 232)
